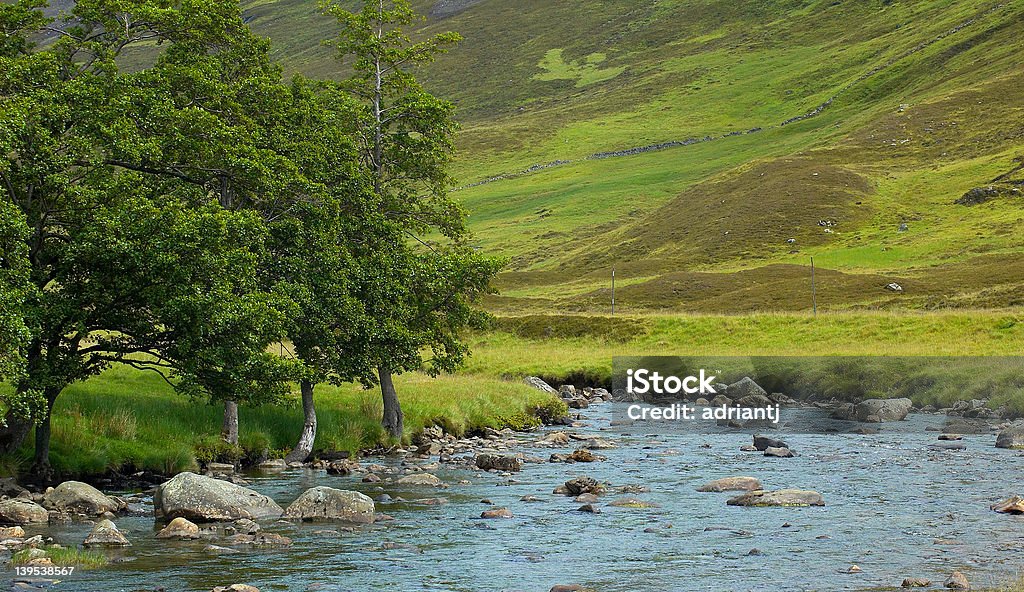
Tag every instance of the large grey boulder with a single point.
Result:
(763, 443)
(327, 503)
(879, 410)
(22, 511)
(75, 497)
(745, 387)
(204, 499)
(1011, 438)
(780, 498)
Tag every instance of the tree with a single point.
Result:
(406, 145)
(315, 262)
(128, 264)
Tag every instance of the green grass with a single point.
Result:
(126, 418)
(921, 115)
(65, 557)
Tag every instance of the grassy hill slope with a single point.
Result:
(797, 128)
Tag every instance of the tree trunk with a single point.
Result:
(303, 449)
(393, 419)
(229, 431)
(13, 432)
(41, 471)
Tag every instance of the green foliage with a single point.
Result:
(65, 557)
(518, 421)
(417, 296)
(214, 449)
(133, 187)
(14, 289)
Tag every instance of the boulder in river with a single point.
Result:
(957, 581)
(721, 401)
(632, 502)
(425, 479)
(499, 462)
(106, 534)
(780, 498)
(327, 503)
(20, 511)
(778, 452)
(916, 583)
(583, 455)
(236, 588)
(880, 410)
(179, 528)
(262, 539)
(731, 484)
(496, 513)
(1014, 505)
(75, 497)
(205, 499)
(1012, 437)
(580, 485)
(762, 443)
(745, 387)
(273, 465)
(11, 532)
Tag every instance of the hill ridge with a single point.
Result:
(818, 110)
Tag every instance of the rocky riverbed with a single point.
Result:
(686, 506)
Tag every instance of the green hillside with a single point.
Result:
(798, 129)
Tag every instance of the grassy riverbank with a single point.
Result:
(130, 418)
(126, 417)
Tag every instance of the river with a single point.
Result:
(894, 507)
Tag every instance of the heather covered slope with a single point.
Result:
(900, 108)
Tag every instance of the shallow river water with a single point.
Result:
(893, 506)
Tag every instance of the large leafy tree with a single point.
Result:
(313, 245)
(418, 278)
(130, 260)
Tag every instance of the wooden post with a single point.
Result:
(814, 293)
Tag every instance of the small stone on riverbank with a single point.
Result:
(179, 528)
(957, 581)
(106, 534)
(1013, 505)
(731, 484)
(780, 498)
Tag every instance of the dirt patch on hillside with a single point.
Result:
(770, 208)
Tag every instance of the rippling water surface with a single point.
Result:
(894, 507)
